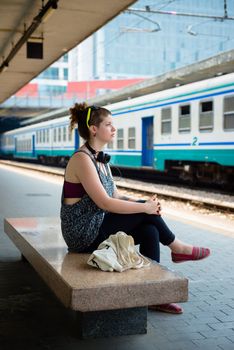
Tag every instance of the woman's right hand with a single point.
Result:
(152, 206)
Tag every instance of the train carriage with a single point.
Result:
(181, 129)
(186, 130)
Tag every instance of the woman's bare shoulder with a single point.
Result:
(76, 162)
(80, 159)
(80, 156)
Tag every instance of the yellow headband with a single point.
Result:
(88, 117)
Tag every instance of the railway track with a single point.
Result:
(199, 197)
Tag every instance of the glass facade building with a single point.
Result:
(148, 44)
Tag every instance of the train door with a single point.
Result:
(147, 141)
(33, 145)
(77, 143)
(15, 145)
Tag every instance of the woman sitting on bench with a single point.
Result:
(92, 209)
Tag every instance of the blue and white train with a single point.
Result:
(187, 130)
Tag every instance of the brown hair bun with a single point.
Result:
(79, 116)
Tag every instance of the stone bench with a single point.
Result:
(105, 303)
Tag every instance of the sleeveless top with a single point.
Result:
(73, 190)
(80, 222)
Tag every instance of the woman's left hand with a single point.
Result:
(155, 198)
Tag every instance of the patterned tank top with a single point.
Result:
(80, 222)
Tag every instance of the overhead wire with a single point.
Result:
(119, 34)
(137, 23)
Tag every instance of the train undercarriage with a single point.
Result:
(205, 173)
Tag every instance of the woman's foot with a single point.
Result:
(198, 253)
(180, 247)
(168, 308)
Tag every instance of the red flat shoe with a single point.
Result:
(168, 308)
(197, 254)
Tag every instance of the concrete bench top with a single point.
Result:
(82, 287)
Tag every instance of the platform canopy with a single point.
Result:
(51, 28)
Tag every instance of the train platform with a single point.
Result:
(32, 318)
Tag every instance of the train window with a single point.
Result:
(132, 138)
(110, 145)
(69, 131)
(59, 134)
(184, 119)
(228, 113)
(64, 133)
(120, 138)
(207, 106)
(166, 120)
(44, 136)
(206, 122)
(55, 135)
(47, 136)
(40, 138)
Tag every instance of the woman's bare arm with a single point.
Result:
(87, 175)
(118, 195)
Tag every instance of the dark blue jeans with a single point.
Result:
(147, 230)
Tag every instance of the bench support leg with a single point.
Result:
(111, 323)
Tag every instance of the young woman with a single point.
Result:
(92, 209)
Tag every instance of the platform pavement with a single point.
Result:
(32, 318)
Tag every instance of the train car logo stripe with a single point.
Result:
(175, 102)
(171, 144)
(179, 96)
(189, 144)
(215, 143)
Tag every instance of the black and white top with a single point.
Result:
(80, 222)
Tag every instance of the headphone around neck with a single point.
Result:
(101, 157)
